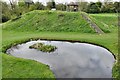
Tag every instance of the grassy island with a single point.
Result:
(44, 48)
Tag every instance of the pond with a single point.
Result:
(69, 60)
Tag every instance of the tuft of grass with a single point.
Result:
(42, 47)
(36, 46)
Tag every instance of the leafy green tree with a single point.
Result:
(39, 6)
(99, 4)
(93, 8)
(117, 6)
(21, 4)
(83, 6)
(6, 15)
(32, 7)
(22, 7)
(51, 4)
(108, 8)
(36, 6)
(61, 7)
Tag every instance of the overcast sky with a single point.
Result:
(63, 1)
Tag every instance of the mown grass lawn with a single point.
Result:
(12, 65)
(22, 68)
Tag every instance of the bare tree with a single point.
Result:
(13, 3)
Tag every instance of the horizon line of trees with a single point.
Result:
(14, 10)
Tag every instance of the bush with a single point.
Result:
(5, 18)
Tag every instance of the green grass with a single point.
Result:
(50, 21)
(13, 35)
(107, 22)
(21, 68)
(109, 19)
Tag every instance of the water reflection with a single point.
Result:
(70, 60)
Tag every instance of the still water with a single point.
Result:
(70, 60)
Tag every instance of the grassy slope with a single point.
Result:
(50, 21)
(107, 22)
(108, 40)
(109, 19)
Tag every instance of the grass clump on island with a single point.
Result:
(44, 48)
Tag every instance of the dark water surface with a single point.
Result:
(70, 60)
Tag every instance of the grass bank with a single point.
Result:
(50, 21)
(22, 68)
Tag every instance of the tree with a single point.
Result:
(28, 3)
(51, 4)
(32, 7)
(21, 4)
(83, 6)
(108, 7)
(61, 6)
(11, 3)
(80, 2)
(93, 8)
(22, 7)
(117, 6)
(6, 13)
(99, 4)
(39, 6)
